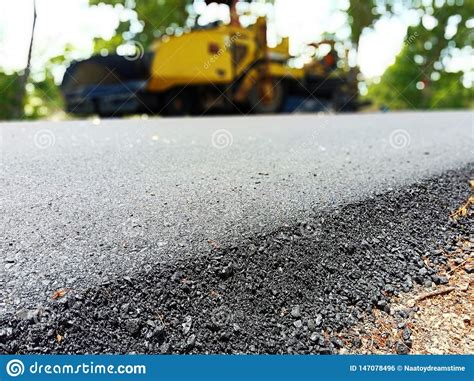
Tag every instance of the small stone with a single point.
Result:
(458, 261)
(443, 280)
(132, 326)
(418, 279)
(149, 334)
(125, 307)
(226, 272)
(311, 325)
(337, 342)
(406, 334)
(439, 279)
(319, 320)
(403, 314)
(298, 324)
(401, 348)
(5, 333)
(164, 348)
(356, 342)
(177, 276)
(159, 332)
(315, 336)
(191, 341)
(188, 321)
(296, 311)
(325, 350)
(389, 289)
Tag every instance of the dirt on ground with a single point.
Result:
(435, 320)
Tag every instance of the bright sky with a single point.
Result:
(62, 22)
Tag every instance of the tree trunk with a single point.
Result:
(23, 79)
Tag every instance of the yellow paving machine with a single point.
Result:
(217, 68)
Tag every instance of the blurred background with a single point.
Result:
(397, 54)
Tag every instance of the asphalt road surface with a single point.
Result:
(84, 202)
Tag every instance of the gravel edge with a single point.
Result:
(292, 291)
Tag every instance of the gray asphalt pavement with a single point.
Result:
(84, 202)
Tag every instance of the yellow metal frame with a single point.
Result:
(205, 57)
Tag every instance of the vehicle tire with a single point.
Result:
(341, 102)
(256, 104)
(177, 102)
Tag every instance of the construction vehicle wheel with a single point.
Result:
(341, 101)
(259, 106)
(177, 103)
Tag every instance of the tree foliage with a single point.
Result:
(360, 17)
(42, 97)
(10, 86)
(153, 17)
(420, 77)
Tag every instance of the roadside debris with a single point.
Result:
(434, 293)
(438, 321)
(463, 210)
(60, 293)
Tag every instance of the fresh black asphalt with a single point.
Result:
(85, 205)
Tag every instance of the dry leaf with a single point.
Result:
(464, 209)
(60, 293)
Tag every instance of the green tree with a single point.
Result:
(9, 88)
(40, 99)
(419, 78)
(360, 17)
(153, 17)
